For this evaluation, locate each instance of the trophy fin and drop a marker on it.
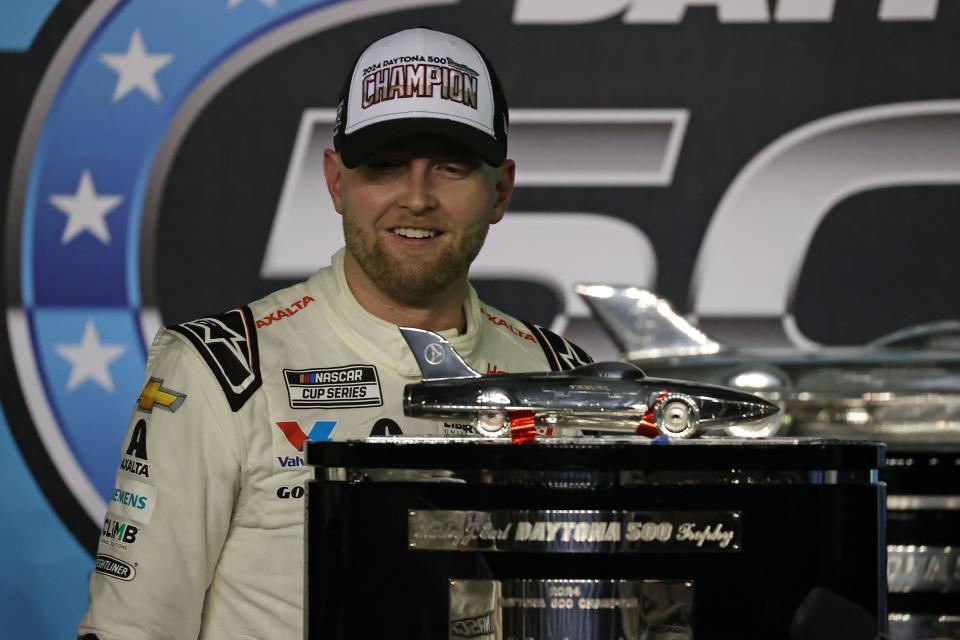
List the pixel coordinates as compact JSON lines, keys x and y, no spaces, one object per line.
{"x":435,"y":356}
{"x":644,"y":325}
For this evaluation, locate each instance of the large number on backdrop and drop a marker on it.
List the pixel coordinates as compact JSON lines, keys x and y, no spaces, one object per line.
{"x":78,"y":320}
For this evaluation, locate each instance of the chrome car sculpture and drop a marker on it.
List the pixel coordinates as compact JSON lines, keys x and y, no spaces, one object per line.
{"x":605,"y":397}
{"x":903,"y":388}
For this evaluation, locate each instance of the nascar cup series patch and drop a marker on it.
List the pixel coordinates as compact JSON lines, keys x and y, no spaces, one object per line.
{"x":354,"y":385}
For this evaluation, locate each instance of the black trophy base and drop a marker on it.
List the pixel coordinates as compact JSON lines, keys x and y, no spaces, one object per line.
{"x":493,"y":559}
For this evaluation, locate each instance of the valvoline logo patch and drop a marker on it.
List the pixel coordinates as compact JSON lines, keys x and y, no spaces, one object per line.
{"x":297,"y":437}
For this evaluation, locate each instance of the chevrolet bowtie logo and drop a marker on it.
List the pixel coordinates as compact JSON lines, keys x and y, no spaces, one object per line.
{"x":155,"y":395}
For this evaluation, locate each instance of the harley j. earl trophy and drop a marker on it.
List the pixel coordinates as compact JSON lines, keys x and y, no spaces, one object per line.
{"x":586,"y":508}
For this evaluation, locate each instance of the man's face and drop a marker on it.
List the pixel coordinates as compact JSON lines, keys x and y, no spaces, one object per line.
{"x":416,"y":213}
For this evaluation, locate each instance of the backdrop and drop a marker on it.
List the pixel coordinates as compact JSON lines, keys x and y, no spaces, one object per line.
{"x":785,"y":171}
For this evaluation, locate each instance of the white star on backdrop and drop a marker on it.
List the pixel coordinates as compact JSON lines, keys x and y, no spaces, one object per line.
{"x":90,"y":359}
{"x":136,"y":69}
{"x":85,"y":210}
{"x":267,"y":3}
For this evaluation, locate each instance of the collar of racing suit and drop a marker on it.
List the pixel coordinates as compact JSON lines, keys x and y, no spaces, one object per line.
{"x":375,"y":339}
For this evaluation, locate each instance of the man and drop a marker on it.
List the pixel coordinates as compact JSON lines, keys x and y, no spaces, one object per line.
{"x":204,"y":535}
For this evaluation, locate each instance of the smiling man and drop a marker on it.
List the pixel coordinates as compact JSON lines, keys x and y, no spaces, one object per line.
{"x":204,"y":537}
{"x":415,"y":215}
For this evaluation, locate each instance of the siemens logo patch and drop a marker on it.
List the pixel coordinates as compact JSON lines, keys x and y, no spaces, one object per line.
{"x":134,"y":500}
{"x":130,"y":499}
{"x":110,"y":566}
{"x":349,"y":386}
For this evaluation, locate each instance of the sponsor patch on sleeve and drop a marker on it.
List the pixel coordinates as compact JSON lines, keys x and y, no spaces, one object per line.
{"x":228,"y":344}
{"x":133,"y":500}
{"x":118,"y":534}
{"x":356,"y":385}
{"x":115,"y":568}
{"x":154,"y":394}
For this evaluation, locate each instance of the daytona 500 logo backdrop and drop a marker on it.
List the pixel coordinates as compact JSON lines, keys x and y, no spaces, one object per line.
{"x":785,"y":165}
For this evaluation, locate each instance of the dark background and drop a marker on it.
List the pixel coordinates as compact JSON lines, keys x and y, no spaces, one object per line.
{"x":745,"y":86}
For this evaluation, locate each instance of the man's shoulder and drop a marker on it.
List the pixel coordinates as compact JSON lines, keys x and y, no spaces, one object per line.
{"x":227,"y":342}
{"x":277,"y":307}
{"x":560,"y":353}
{"x":230,"y":342}
{"x":507,"y":327}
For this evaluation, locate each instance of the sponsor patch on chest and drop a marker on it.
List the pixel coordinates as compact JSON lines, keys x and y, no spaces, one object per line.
{"x":355,"y":385}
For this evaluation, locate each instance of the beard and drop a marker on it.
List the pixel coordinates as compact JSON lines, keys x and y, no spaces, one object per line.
{"x":414,"y":282}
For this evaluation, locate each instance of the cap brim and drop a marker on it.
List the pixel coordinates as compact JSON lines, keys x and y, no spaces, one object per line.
{"x":357,"y":146}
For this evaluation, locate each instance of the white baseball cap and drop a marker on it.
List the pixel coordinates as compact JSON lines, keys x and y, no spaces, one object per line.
{"x":421,"y":81}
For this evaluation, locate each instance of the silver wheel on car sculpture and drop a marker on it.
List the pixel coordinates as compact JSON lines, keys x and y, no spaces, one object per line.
{"x":492,"y":424}
{"x":494,"y":421}
{"x":677,"y":416}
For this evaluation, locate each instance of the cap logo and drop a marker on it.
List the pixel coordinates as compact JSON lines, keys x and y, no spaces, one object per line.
{"x":461,"y":67}
{"x":431,"y":75}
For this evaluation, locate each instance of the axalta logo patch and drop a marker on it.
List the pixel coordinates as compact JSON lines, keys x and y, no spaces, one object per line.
{"x":115,"y":568}
{"x":280,"y":314}
{"x":500,"y":322}
{"x":134,"y":460}
{"x":135,"y":467}
{"x":350,"y":386}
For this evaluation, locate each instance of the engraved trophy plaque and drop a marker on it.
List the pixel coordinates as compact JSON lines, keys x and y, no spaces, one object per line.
{"x":514,"y":609}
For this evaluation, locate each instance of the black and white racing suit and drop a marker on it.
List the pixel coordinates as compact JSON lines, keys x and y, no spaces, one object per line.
{"x":204,"y":533}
